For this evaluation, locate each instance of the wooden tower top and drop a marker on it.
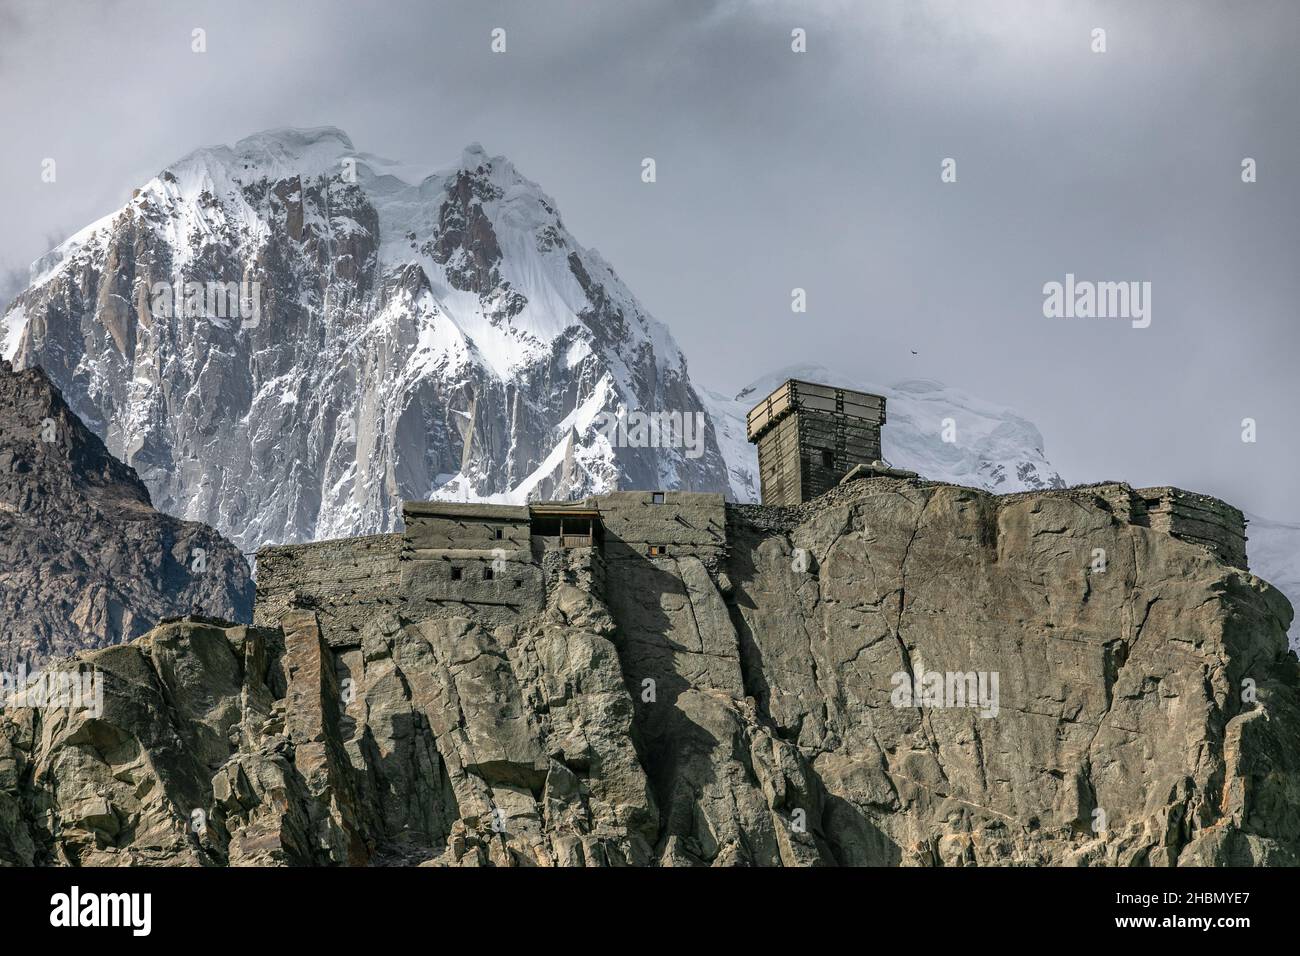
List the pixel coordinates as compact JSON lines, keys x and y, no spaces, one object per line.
{"x":809,"y":436}
{"x":794,"y":395}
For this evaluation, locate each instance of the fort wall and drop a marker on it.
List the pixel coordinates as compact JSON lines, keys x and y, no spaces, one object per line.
{"x":1200,"y":519}
{"x":677,"y":523}
{"x":1195,"y":518}
{"x":491,"y":563}
{"x":346,"y":581}
{"x":438,"y":526}
{"x":471,"y":559}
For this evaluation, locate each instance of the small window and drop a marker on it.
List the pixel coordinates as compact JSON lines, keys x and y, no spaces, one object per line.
{"x":487,"y":572}
{"x":828,"y":458}
{"x":657,"y":550}
{"x":455,"y":574}
{"x":497,"y":533}
{"x":656,"y":497}
{"x":519,"y":582}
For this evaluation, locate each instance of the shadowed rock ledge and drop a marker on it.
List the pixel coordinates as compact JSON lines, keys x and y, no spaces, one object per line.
{"x":743,"y":709}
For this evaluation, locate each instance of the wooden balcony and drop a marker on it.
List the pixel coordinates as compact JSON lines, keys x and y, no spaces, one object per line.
{"x":575,"y":541}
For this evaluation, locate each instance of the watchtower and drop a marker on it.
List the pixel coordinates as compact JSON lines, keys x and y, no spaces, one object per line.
{"x":809,"y":436}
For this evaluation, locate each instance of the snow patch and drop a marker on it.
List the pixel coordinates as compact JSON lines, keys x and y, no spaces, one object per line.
{"x":12,"y":326}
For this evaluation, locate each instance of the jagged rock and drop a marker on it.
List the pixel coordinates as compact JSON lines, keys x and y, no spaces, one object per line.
{"x":1145,"y":714}
{"x":444,"y":333}
{"x":86,"y":559}
{"x":447,"y":334}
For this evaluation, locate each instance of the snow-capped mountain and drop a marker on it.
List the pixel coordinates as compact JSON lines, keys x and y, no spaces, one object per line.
{"x":385,"y":332}
{"x":991,"y":447}
{"x":286,"y":338}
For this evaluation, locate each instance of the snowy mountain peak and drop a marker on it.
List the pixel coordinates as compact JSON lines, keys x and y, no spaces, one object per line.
{"x":273,"y":154}
{"x":475,"y":155}
{"x":422,"y":333}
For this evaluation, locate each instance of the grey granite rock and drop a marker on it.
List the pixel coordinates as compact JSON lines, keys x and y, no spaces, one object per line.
{"x":1131,"y":701}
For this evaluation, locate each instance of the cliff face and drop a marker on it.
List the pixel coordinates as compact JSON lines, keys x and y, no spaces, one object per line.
{"x":85,"y":560}
{"x":899,"y":673}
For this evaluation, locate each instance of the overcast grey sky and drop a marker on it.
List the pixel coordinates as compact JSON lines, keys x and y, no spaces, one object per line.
{"x":776,"y":170}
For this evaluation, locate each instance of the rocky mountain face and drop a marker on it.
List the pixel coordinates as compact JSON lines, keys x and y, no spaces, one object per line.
{"x":900,"y":673}
{"x":288,"y":337}
{"x":85,"y":559}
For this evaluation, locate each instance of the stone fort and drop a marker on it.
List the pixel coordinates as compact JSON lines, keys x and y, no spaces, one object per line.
{"x":494,"y":563}
{"x":498,"y":563}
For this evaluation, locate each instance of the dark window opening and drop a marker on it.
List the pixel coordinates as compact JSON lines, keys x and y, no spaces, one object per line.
{"x":656,"y":497}
{"x":546,"y":526}
{"x":828,"y":458}
{"x":455,"y":574}
{"x":657,"y":550}
{"x":569,"y":531}
{"x":498,"y":533}
{"x":487,"y":572}
{"x":519,"y":582}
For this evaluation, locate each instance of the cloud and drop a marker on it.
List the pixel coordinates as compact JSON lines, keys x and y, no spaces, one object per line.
{"x":776,"y":170}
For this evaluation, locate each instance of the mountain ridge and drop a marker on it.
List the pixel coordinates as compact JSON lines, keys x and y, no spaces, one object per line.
{"x":87,"y":560}
{"x":456,"y":337}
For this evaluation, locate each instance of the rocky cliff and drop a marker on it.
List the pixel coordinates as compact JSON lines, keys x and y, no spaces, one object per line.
{"x":85,"y":560}
{"x":900,"y":673}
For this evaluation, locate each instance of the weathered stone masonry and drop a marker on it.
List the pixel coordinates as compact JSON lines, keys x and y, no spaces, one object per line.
{"x":492,"y":563}
{"x":652,"y":676}
{"x":496,"y":563}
